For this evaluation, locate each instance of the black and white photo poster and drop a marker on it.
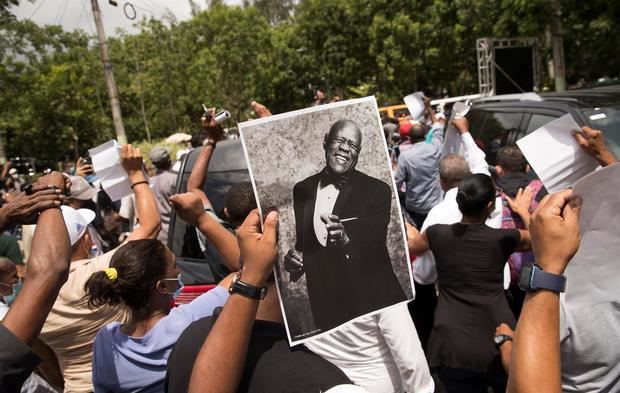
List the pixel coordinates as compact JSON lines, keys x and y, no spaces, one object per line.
{"x":342,"y":250}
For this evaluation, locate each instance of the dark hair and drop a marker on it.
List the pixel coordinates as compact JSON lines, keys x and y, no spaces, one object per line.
{"x":511,"y":159}
{"x":418,"y":132}
{"x":240,"y":202}
{"x":139,"y":265}
{"x":475,"y":192}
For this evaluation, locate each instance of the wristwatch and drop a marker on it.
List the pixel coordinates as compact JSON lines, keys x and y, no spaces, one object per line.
{"x":533,"y":278}
{"x":245,"y":289}
{"x":500,"y":339}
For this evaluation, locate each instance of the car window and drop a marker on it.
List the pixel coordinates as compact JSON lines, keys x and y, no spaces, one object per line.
{"x":607,"y":119}
{"x":537,"y":120}
{"x":496,"y":131}
{"x":475,"y":119}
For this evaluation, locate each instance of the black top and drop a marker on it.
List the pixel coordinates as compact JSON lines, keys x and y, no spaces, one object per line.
{"x":17,"y":361}
{"x":271,"y":365}
{"x":470,"y":264}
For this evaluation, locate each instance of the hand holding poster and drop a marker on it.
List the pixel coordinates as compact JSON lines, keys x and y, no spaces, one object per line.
{"x":342,"y":248}
{"x":555,"y":156}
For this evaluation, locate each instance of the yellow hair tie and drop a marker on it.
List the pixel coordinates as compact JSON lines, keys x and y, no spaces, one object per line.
{"x":111,"y":273}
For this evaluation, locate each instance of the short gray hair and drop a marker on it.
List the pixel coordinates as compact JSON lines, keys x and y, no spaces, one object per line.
{"x":452,"y":169}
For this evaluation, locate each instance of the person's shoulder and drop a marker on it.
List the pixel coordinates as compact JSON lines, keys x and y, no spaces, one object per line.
{"x":107,"y":333}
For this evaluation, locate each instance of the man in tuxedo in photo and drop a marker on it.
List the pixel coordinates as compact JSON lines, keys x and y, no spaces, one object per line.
{"x":341,"y":219}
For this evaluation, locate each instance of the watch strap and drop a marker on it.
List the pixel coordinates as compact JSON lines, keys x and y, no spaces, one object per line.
{"x":501,"y":339}
{"x":247,"y":290}
{"x":546,"y":280}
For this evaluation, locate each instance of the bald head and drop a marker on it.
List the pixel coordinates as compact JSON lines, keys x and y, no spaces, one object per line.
{"x":452,"y":169}
{"x":345,"y":124}
{"x":342,"y":146}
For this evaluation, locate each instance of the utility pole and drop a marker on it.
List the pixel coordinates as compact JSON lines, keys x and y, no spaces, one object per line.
{"x":559,"y":69}
{"x":109,"y":77}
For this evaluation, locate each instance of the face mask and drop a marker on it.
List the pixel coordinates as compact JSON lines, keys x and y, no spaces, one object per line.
{"x":179,"y":289}
{"x":180,"y":286}
{"x":16,"y":288}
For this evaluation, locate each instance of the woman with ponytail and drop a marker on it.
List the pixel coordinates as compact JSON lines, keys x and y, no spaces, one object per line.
{"x":470,"y":258}
{"x":143,"y":276}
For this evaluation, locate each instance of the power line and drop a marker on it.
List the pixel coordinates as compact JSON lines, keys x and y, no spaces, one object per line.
{"x":88,"y":20}
{"x":36,"y":9}
{"x":64,"y":10}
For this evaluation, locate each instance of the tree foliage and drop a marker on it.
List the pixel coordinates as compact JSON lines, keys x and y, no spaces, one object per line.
{"x":54,"y":100}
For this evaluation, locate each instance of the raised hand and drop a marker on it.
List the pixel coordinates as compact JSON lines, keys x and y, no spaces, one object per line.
{"x":131,"y":160}
{"x":22,"y":208}
{"x":521,"y":203}
{"x":593,"y":142}
{"x":260,"y":109}
{"x":214,"y":131}
{"x":258,"y":248}
{"x":555,"y":231}
{"x":188,"y":206}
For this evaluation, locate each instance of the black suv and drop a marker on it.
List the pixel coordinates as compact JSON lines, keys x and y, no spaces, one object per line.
{"x":501,"y":120}
{"x":227,"y":167}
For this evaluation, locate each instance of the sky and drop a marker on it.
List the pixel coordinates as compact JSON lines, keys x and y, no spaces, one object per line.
{"x":74,"y":14}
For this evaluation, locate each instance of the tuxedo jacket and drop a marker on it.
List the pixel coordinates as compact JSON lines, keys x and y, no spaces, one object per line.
{"x":344,"y":282}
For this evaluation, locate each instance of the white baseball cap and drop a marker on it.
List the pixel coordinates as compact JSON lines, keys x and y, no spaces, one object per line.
{"x":77,"y":222}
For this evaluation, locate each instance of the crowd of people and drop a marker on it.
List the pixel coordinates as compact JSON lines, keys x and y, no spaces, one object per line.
{"x":87,"y":295}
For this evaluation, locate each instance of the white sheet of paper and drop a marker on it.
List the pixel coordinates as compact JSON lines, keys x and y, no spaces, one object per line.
{"x":105,"y":155}
{"x":555,"y":156}
{"x":106,"y":163}
{"x":593,"y":271}
{"x":415,"y":104}
{"x":590,"y":308}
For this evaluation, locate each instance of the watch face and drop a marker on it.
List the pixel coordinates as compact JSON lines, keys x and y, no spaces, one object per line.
{"x":525,"y":279}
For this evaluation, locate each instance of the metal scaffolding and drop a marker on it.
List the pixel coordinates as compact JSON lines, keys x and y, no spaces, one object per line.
{"x":485,"y":50}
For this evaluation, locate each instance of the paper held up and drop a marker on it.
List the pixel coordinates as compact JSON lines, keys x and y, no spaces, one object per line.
{"x":593,"y":271}
{"x":107,"y":166}
{"x":415,"y":104}
{"x":555,"y":156}
{"x":452,"y":140}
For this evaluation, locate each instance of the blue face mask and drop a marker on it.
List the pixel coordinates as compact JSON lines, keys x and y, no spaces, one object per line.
{"x":16,"y":288}
{"x":179,"y":289}
{"x":180,"y":286}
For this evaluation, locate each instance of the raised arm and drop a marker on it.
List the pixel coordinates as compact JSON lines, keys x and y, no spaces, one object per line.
{"x":189,"y":207}
{"x":48,"y":269}
{"x":220,"y":362}
{"x":197,"y":178}
{"x":593,"y":142}
{"x":535,"y":362}
{"x":521,"y":205}
{"x":475,"y":157}
{"x":146,"y":207}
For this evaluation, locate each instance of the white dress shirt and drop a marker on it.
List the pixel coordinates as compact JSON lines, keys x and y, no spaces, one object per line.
{"x":447,"y":212}
{"x":325,"y":201}
{"x":381,"y":352}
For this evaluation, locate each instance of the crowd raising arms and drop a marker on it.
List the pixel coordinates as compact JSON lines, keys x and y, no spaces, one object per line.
{"x":552,"y":232}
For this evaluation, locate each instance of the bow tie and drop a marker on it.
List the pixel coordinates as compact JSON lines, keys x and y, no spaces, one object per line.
{"x":337,"y":180}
